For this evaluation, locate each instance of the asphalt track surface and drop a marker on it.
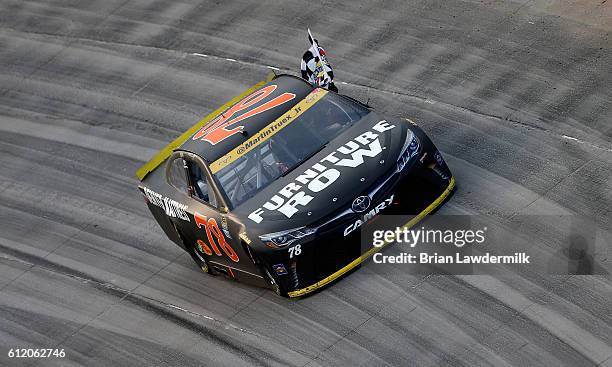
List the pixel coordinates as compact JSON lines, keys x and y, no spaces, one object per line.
{"x":516,"y":94}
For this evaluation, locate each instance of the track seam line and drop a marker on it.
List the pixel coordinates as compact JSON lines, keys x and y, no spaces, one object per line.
{"x":261,"y":294}
{"x":520,"y":7}
{"x":193,"y":313}
{"x":128,"y":292}
{"x":154,"y":77}
{"x":132,"y":294}
{"x":68,"y":238}
{"x":604,"y":361}
{"x":18,"y":276}
{"x":109,"y":307}
{"x":514,"y":314}
{"x":550,"y":189}
{"x":353,"y":330}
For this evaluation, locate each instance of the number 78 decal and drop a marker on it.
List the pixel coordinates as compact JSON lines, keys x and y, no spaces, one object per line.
{"x":295,"y":250}
{"x":213,"y":230}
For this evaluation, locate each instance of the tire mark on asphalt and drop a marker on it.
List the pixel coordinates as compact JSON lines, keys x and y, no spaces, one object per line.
{"x":146,"y":303}
{"x":351,"y":331}
{"x":149,"y":304}
{"x":417,"y":97}
{"x":11,"y":254}
{"x":69,"y":136}
{"x":522,"y":312}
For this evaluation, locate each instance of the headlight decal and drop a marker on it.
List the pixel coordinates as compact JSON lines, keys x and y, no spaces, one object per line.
{"x":285,"y":238}
{"x":411,"y":148}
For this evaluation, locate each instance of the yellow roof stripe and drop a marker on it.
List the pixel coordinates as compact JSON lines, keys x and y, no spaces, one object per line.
{"x":269,"y":131}
{"x":163,"y":154}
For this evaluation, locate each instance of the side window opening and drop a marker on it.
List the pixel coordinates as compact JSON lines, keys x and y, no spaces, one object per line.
{"x":201,"y":188}
{"x":177,"y":175}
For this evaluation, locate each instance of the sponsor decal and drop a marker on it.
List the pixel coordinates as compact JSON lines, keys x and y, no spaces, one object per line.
{"x":410,"y":121}
{"x":203,"y":247}
{"x":438,"y":168}
{"x":422,"y":159}
{"x":222,"y":126}
{"x":172,"y":208}
{"x":243,"y":236}
{"x":439,"y":158}
{"x":269,"y":131}
{"x":280,"y":269}
{"x":323,"y":173}
{"x":224,"y":226}
{"x":369,"y":215}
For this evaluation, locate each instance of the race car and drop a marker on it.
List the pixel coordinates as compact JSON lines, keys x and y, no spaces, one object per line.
{"x":275,"y":190}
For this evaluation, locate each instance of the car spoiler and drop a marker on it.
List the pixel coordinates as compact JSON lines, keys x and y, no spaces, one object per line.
{"x":163,"y":154}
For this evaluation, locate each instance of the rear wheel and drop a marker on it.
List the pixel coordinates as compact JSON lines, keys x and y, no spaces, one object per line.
{"x":195,"y":254}
{"x":201,"y":261}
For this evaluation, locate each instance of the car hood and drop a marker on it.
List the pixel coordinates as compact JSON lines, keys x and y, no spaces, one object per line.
{"x":330,"y":180}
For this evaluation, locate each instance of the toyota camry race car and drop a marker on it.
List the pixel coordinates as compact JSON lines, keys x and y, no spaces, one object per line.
{"x":276,"y":189}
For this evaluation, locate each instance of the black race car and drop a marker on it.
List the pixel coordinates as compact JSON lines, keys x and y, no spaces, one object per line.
{"x":274,"y":189}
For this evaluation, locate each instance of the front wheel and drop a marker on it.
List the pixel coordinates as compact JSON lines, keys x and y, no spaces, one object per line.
{"x":277,"y":288}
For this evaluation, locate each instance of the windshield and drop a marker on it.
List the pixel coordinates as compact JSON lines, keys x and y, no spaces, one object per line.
{"x":286,"y":150}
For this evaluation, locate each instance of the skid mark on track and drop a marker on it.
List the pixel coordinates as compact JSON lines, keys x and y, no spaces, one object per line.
{"x":69,"y":136}
{"x":421,"y":99}
{"x":537,"y":312}
{"x":416,"y":97}
{"x":111,"y":288}
{"x":353,"y":330}
{"x":178,"y":315}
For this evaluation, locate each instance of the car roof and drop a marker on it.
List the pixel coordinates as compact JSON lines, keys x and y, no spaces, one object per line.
{"x":254,"y":112}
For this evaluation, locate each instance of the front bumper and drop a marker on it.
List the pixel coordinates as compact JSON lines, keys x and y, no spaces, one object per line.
{"x":417,"y":192}
{"x":352,"y":264}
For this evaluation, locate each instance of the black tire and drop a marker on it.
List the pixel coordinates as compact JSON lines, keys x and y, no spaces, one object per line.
{"x":195,"y":255}
{"x":201,"y":261}
{"x":276,"y":287}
